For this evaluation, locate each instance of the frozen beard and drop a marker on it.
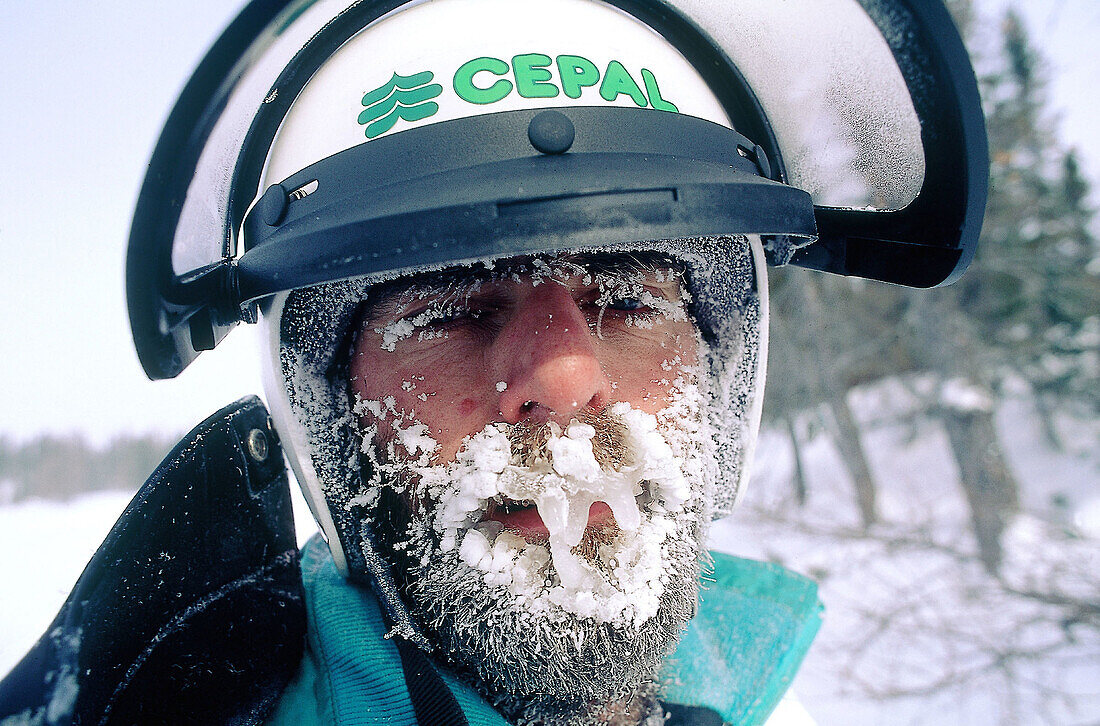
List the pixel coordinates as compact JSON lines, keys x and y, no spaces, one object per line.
{"x":559,"y":616}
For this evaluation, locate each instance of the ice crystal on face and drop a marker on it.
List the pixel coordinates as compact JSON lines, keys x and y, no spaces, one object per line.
{"x":395,"y":331}
{"x":420,"y":307}
{"x":618,"y":576}
{"x":585,"y":608}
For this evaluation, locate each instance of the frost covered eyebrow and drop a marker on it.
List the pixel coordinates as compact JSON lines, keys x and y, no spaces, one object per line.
{"x":626,"y":263}
{"x":387,"y":300}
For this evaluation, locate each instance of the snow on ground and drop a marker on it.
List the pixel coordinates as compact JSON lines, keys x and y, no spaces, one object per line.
{"x":909,"y":609}
{"x":45,"y":546}
{"x":907,"y":605}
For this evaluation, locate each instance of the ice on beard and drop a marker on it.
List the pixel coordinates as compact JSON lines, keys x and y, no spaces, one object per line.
{"x":417,"y":441}
{"x":659,"y":464}
{"x":622,"y":582}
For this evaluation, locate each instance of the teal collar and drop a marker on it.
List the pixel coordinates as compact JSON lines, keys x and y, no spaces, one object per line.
{"x":755,"y":623}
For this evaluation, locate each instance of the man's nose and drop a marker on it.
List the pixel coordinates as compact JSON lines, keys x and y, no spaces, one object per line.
{"x":547,"y":357}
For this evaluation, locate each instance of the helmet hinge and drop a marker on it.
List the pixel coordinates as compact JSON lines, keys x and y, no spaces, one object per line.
{"x":758,"y":156}
{"x":213,"y":293}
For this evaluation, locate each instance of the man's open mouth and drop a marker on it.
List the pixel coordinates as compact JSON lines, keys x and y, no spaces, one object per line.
{"x":523,"y":518}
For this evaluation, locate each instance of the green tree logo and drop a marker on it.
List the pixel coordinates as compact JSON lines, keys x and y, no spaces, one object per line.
{"x":401,"y":97}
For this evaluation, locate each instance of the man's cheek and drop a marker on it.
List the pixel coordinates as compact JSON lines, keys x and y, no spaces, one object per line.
{"x":646,"y":389}
{"x":685,"y":346}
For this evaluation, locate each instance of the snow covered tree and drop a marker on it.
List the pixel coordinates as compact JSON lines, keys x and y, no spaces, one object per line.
{"x":1035,"y":287}
{"x":952,"y":597}
{"x":828,"y":335}
{"x":1025,"y":311}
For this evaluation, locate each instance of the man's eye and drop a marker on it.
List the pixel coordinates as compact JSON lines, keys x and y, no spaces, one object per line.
{"x":625,"y":303}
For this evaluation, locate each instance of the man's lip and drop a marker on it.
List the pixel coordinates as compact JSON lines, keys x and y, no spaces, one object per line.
{"x":528,"y":524}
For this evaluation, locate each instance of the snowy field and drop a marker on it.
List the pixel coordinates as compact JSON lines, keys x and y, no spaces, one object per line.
{"x":915,"y":631}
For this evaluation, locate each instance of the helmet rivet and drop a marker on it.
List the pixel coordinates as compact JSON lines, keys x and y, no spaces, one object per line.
{"x":551,"y":132}
{"x":272,"y":205}
{"x":257,"y":445}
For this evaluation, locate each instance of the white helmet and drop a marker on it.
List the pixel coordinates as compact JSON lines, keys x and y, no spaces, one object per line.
{"x":335,"y":144}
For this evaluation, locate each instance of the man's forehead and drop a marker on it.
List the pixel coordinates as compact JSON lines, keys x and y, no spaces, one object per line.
{"x":389,"y":297}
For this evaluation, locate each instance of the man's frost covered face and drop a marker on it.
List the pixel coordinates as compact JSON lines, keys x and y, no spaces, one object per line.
{"x":538,"y":424}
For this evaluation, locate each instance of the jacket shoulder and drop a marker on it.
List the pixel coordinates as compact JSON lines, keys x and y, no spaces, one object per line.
{"x":192,"y":609}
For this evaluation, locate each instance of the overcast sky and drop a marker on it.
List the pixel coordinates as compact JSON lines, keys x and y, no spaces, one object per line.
{"x":85,"y":89}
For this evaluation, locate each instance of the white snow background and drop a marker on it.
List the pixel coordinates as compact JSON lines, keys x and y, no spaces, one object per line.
{"x":934,"y":602}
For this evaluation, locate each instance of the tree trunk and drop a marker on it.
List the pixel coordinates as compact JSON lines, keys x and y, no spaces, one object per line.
{"x":799,"y":472}
{"x":1046,"y":423}
{"x":855,"y":457}
{"x":991,"y":490}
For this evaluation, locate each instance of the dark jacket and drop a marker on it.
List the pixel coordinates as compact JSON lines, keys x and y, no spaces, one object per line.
{"x":192,"y":609}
